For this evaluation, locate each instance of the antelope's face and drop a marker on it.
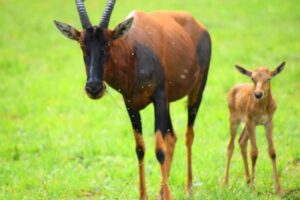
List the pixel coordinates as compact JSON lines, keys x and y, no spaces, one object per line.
{"x":261,"y":78}
{"x":95,"y":42}
{"x":95,"y":48}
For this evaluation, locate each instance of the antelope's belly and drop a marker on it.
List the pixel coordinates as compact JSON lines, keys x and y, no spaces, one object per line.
{"x":181,"y":86}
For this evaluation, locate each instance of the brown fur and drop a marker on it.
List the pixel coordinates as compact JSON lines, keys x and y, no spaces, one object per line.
{"x":166,"y":31}
{"x":181,"y":45}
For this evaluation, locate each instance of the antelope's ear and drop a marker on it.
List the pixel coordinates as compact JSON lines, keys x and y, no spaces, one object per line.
{"x":67,"y":30}
{"x":122,"y":28}
{"x":243,"y":70}
{"x":278,"y":69}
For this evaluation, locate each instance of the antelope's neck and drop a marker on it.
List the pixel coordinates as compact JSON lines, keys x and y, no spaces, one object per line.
{"x":120,"y":69}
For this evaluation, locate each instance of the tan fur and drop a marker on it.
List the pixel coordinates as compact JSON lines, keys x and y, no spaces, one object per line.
{"x":171,"y":142}
{"x":161,"y":143}
{"x":245,"y":107}
{"x":189,"y":138}
{"x":140,"y":142}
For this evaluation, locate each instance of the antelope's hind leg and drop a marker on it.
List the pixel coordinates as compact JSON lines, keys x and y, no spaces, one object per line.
{"x":171,"y":142}
{"x":140,"y":149}
{"x":194,"y":101}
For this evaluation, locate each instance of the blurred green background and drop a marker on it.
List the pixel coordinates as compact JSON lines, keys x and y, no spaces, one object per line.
{"x":55,"y":143}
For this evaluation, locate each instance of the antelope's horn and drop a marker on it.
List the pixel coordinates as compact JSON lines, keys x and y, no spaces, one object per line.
{"x":107,"y":13}
{"x":84,"y":18}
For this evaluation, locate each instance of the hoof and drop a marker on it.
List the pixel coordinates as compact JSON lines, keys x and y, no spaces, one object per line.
{"x":143,"y":197}
{"x":279,"y":191}
{"x":164,"y":193}
{"x":224,"y":182}
{"x":189,"y":191}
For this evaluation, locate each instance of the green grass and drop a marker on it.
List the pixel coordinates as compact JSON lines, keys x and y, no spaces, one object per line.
{"x":55,"y":143}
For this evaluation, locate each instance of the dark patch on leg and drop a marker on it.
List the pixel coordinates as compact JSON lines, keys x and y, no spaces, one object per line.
{"x":161,"y":112}
{"x":160,"y":155}
{"x":140,"y":153}
{"x":170,"y":125}
{"x":192,"y":113}
{"x":273,"y":156}
{"x":135,"y":119}
{"x":254,"y":158}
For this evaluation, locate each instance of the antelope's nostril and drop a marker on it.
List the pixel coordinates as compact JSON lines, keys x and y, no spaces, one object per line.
{"x":258,"y":95}
{"x":94,"y":89}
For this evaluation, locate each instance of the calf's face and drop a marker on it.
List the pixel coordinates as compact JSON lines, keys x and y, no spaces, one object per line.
{"x":261,"y":78}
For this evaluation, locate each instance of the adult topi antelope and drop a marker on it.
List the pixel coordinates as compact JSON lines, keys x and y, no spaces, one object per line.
{"x":156,"y":57}
{"x":254,"y":105}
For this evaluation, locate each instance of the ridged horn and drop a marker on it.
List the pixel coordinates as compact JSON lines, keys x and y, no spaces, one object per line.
{"x":107,"y":13}
{"x":84,"y":18}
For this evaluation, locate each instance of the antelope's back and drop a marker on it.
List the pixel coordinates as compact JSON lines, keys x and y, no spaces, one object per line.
{"x":174,"y":38}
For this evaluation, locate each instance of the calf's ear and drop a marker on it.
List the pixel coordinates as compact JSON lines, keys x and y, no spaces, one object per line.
{"x":243,"y":70}
{"x":278,"y":69}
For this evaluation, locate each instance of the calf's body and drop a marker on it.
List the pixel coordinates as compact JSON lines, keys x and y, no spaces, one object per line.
{"x":252,"y":104}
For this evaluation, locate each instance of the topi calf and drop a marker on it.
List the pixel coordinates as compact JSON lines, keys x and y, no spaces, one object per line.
{"x":254,"y":105}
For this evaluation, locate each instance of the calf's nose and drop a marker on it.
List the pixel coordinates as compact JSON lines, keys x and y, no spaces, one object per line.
{"x":258,"y":95}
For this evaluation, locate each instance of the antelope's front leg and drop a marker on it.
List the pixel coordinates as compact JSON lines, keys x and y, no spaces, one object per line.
{"x":140,"y":149}
{"x":272,"y":154}
{"x":171,"y":142}
{"x":161,"y":145}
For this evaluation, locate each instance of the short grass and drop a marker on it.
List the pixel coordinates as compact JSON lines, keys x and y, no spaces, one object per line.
{"x":55,"y":143}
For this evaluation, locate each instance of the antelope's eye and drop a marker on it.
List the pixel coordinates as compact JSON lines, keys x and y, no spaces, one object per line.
{"x":102,"y":51}
{"x":106,"y":47}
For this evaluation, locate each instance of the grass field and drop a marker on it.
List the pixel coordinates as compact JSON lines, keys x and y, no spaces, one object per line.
{"x":55,"y":143}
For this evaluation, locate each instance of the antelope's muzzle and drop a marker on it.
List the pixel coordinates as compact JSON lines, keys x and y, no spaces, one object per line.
{"x":95,"y":90}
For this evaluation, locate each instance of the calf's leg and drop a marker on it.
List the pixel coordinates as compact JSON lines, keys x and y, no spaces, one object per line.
{"x":272,"y":154}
